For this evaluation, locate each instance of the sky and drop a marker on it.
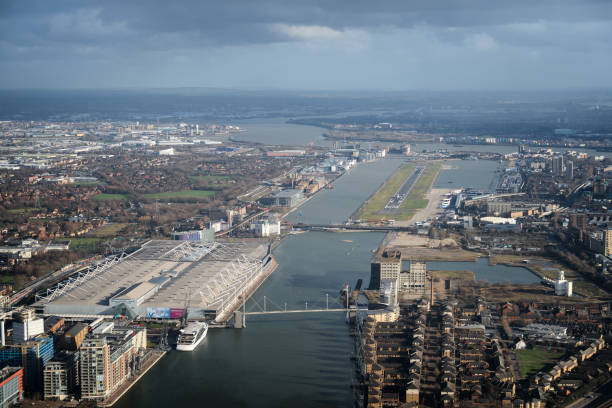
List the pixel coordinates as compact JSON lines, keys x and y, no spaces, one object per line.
{"x":306,"y":44}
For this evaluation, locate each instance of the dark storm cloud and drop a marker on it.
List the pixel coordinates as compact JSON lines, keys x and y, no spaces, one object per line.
{"x":305,"y":43}
{"x":222,"y":22}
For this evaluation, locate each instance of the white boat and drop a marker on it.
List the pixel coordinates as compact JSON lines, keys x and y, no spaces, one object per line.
{"x":445,"y":203}
{"x":191,"y":336}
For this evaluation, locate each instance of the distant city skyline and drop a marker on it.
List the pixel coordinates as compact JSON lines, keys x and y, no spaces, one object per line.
{"x":306,"y":45}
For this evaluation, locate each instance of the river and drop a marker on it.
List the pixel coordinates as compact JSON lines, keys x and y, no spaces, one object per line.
{"x":300,"y":360}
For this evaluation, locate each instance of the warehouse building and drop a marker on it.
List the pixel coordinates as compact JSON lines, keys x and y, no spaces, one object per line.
{"x":162,"y":279}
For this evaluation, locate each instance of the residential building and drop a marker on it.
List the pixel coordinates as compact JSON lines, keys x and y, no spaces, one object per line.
{"x":607,"y":247}
{"x":557,"y":165}
{"x":32,"y":355}
{"x":11,"y":386}
{"x":563,"y":287}
{"x":26,"y":325}
{"x":107,"y":360}
{"x":60,"y":376}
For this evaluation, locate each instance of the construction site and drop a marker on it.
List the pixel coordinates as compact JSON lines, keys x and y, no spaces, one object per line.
{"x":165,"y":280}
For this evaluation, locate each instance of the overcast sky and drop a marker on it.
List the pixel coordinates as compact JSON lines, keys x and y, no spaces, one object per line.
{"x":306,"y":44}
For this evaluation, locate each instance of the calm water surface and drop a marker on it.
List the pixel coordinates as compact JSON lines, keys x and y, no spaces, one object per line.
{"x":491,"y":273}
{"x":476,"y":174}
{"x":278,"y":132}
{"x":349,"y":192}
{"x":300,"y":360}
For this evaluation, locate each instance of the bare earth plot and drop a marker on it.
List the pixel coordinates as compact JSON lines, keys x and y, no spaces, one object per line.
{"x":418,"y":247}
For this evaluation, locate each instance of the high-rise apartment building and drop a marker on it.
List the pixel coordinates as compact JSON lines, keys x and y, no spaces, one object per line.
{"x":107,"y":360}
{"x":32,"y":355}
{"x":60,"y":376}
{"x":607,"y":242}
{"x":557,"y":165}
{"x":11,"y":386}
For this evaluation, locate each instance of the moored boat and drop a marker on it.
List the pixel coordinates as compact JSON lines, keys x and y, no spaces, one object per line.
{"x":192,"y":335}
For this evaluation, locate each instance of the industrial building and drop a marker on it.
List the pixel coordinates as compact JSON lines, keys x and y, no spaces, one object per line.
{"x":162,"y":279}
{"x":413,"y":280}
{"x":26,"y":325}
{"x":385,"y":265}
{"x":285,"y":198}
{"x":266,"y":227}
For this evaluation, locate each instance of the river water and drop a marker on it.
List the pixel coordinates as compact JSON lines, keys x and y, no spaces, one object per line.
{"x":299,"y":360}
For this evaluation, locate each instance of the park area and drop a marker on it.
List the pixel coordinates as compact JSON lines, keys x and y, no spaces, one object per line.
{"x":532,"y":361}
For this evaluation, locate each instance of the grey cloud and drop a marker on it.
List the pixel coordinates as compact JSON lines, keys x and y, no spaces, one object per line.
{"x":222,"y":22}
{"x":207,"y":42}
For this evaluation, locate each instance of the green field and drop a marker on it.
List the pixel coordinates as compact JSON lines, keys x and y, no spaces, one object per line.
{"x":108,"y":230}
{"x":415,"y":200}
{"x":23,"y":210}
{"x":7,"y":279}
{"x":531,"y":361}
{"x":108,"y":197}
{"x":182,"y":194}
{"x":460,"y":275}
{"x":88,"y":183}
{"x":211,"y":178}
{"x":370,"y":210}
{"x":78,"y":243}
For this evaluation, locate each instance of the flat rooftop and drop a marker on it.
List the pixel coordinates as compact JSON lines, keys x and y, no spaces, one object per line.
{"x":199,"y":273}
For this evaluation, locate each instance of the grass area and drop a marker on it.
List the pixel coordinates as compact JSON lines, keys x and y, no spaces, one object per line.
{"x":4,"y":279}
{"x":377,"y":202}
{"x":88,"y":183}
{"x":531,"y":361}
{"x":211,"y":178}
{"x":23,"y":210}
{"x":108,"y":230}
{"x":182,"y":194}
{"x":77,"y":243}
{"x":542,"y":266}
{"x":108,"y":197}
{"x":460,"y":275}
{"x":414,"y":202}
